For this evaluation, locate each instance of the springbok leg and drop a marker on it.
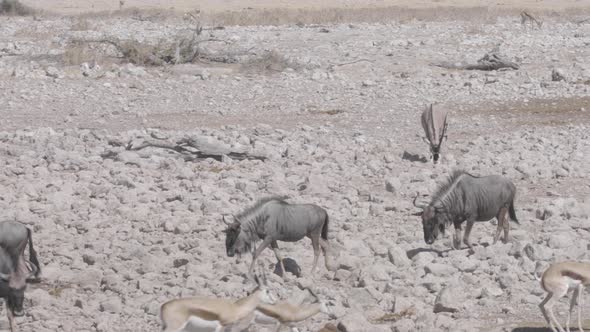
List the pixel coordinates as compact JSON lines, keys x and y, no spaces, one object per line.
{"x":580,"y":306}
{"x":573,"y":301}
{"x":468,"y":228}
{"x":558,"y":293}
{"x":275,"y":247}
{"x":265,"y":243}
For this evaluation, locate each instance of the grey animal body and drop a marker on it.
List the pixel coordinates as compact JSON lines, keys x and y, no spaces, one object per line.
{"x":273,"y":219}
{"x":465,"y":197}
{"x":434,"y":123}
{"x":13,"y":295}
{"x":14,"y":237}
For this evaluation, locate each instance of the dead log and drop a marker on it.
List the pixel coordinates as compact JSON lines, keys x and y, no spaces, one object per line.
{"x":490,"y":61}
{"x":190,"y":148}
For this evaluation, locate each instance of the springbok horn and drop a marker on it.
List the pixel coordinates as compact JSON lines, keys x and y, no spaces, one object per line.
{"x":421,"y":206}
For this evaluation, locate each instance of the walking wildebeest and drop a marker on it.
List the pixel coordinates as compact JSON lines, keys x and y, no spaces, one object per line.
{"x":464,"y":197}
{"x":12,"y":288}
{"x":14,"y":237}
{"x":434,"y":123}
{"x":271,"y":220}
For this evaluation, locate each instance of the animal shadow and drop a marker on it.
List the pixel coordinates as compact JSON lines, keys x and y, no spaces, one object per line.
{"x":413,"y":252}
{"x":414,"y":157}
{"x":290,"y":265}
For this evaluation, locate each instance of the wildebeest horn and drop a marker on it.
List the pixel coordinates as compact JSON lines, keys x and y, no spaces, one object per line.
{"x":4,"y":277}
{"x":225,"y":220}
{"x":421,"y":206}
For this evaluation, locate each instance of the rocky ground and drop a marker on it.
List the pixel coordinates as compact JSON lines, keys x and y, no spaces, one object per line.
{"x":335,"y":110}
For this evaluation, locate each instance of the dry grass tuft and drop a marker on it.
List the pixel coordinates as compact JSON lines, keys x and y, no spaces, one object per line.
{"x":269,"y":62}
{"x":394,"y":317}
{"x":15,"y":8}
{"x":81,"y":25}
{"x":77,"y":53}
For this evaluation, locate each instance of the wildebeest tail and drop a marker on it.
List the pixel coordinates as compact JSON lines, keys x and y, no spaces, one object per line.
{"x":512,"y":213}
{"x":325,"y":228}
{"x":33,"y":254}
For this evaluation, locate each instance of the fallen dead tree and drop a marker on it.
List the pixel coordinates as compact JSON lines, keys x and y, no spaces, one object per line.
{"x":189,"y":148}
{"x":490,"y":61}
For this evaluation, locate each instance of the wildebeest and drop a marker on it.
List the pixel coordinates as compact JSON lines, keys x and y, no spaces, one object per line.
{"x":434,"y":122}
{"x":464,"y":197}
{"x":272,"y":219}
{"x":11,"y":289}
{"x":14,"y":237}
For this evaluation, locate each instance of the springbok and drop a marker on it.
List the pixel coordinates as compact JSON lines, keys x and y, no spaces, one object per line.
{"x":557,"y":281}
{"x":287,"y":314}
{"x":211,"y":314}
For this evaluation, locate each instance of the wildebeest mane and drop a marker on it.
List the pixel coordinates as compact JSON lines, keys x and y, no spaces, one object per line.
{"x":444,"y":187}
{"x":251,"y":211}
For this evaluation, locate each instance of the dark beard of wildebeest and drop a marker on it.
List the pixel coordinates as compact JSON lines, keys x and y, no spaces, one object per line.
{"x":464,"y":197}
{"x":273,"y":219}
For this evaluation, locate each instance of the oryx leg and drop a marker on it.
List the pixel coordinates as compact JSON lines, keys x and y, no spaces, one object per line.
{"x":265,"y":243}
{"x":275,"y":247}
{"x":468,"y":228}
{"x":457,"y":236}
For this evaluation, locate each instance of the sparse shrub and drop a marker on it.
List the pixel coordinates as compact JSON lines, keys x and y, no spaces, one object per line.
{"x":269,"y":62}
{"x":14,"y":7}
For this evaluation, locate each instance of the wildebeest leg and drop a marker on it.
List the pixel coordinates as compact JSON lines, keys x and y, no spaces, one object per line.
{"x":265,"y":243}
{"x":457,"y":236}
{"x":467,"y":233}
{"x":275,"y":247}
{"x":506,"y":225}
{"x":315,"y":242}
{"x":501,"y":216}
{"x":327,"y":252}
{"x":10,"y":317}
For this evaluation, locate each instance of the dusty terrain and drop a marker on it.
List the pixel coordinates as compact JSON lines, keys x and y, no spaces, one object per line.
{"x":335,"y":109}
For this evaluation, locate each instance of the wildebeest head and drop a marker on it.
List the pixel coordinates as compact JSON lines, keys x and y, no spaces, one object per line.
{"x":432,"y":221}
{"x":15,"y":295}
{"x":234,"y":238}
